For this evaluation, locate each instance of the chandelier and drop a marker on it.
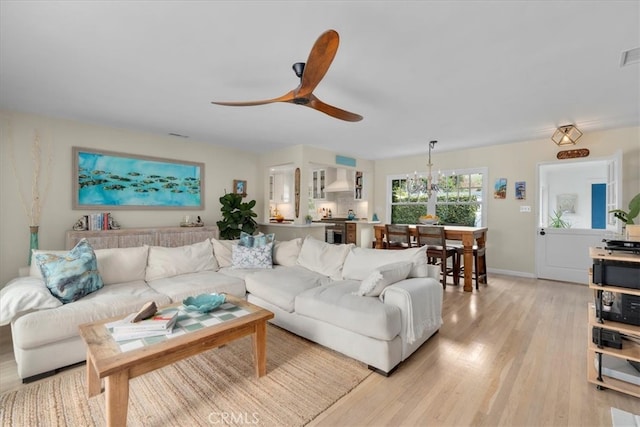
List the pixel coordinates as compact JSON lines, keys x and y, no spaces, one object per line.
{"x":417,"y":186}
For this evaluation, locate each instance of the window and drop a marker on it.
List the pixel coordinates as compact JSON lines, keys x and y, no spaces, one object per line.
{"x":460,"y":199}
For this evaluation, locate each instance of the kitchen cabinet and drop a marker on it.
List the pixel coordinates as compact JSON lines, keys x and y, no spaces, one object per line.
{"x":271,"y":188}
{"x":358,"y":186}
{"x":351,"y":233}
{"x":282,"y":187}
{"x":318,"y":182}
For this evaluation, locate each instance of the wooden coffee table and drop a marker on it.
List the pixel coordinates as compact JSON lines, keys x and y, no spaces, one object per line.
{"x":106,"y":358}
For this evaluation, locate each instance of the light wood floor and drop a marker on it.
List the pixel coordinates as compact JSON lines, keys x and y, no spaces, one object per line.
{"x":513,"y":354}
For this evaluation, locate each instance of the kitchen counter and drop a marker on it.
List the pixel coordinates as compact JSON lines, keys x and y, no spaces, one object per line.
{"x":292,"y":224}
{"x":290,"y":230}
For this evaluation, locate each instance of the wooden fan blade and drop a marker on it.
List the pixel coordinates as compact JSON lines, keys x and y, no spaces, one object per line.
{"x":332,"y":111}
{"x":288,"y":97}
{"x":320,"y":58}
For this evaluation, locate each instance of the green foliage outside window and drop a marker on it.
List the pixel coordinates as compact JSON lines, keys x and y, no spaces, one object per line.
{"x":459,"y":201}
{"x":458,"y":214}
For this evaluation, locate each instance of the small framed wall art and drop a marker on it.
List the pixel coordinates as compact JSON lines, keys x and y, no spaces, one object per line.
{"x":521,"y":190}
{"x":240,"y":187}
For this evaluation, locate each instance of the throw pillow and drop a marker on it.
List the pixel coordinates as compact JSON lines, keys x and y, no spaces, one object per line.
{"x":222,"y":251}
{"x":382,"y":277}
{"x":251,"y":241}
{"x":121,"y":265}
{"x":72,"y":276}
{"x":258,"y":257}
{"x":323,"y":258}
{"x":286,"y":253}
{"x":34,"y":268}
{"x":168,"y":262}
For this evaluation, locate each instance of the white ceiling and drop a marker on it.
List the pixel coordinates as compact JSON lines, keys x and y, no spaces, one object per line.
{"x":466,"y":73}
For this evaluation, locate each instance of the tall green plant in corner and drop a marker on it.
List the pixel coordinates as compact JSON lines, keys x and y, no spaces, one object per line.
{"x":634,"y":210}
{"x":236,"y":217}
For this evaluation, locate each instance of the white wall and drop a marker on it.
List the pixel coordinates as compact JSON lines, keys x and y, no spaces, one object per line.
{"x":511,"y":236}
{"x":222,"y":166}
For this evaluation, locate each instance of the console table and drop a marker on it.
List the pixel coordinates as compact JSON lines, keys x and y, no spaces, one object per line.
{"x":131,"y":237}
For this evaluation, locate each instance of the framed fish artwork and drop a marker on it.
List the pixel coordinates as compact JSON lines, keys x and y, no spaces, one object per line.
{"x":107,"y":179}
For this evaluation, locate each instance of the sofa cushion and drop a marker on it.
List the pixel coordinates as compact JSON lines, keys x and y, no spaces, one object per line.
{"x":46,"y":326}
{"x":286,"y":252}
{"x":361,"y":261}
{"x":202,"y":282}
{"x":73,"y":275}
{"x":336,"y":304}
{"x":382,"y":277}
{"x":280,"y":286}
{"x":119,"y":265}
{"x":24,"y":294}
{"x":252,"y":257}
{"x":169,"y":262}
{"x":323,"y":258}
{"x":222,"y":251}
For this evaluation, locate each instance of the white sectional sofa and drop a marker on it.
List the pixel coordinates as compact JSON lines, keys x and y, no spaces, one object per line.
{"x":314,"y":289}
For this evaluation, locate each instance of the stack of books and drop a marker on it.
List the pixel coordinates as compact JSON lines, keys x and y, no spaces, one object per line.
{"x":161,"y":323}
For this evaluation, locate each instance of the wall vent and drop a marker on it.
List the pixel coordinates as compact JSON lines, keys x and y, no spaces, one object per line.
{"x":631,"y":56}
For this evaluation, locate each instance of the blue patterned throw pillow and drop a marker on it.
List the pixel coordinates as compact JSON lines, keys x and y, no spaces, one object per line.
{"x":71,"y":276}
{"x":249,"y":241}
{"x":256,"y":257}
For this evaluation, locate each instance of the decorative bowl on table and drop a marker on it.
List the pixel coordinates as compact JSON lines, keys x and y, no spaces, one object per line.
{"x":428,"y":220}
{"x":204,"y":303}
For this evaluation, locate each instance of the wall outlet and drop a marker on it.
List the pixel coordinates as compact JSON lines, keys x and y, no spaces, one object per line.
{"x":525,"y":208}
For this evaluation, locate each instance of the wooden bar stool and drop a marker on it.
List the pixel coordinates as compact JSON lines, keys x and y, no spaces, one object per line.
{"x":433,"y":236}
{"x":479,"y":263}
{"x":397,"y":236}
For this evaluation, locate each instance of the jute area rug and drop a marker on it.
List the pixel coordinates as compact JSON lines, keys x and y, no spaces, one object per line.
{"x":217,"y":387}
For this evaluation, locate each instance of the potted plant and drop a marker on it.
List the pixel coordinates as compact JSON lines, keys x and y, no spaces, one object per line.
{"x":556,"y":221}
{"x":237,"y":216}
{"x":308,"y":218}
{"x":627,"y":216}
{"x":629,"y":229}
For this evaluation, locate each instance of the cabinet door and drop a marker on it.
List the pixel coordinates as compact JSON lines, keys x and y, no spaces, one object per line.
{"x":282,"y":187}
{"x":271,"y":188}
{"x":351,"y":233}
{"x":358,"y":186}
{"x":318,"y":183}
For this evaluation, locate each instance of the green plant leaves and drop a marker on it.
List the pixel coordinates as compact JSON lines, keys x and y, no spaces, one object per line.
{"x":237,"y":216}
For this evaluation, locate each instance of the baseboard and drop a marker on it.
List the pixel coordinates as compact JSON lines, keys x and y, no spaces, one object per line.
{"x":510,"y":273}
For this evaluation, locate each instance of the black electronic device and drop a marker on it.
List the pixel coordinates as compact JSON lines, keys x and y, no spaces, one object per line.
{"x":623,"y":245}
{"x":616,"y":273}
{"x":624,"y":308}
{"x":606,"y":338}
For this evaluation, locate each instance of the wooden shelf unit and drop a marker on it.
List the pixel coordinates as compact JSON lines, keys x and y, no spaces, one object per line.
{"x":630,"y":349}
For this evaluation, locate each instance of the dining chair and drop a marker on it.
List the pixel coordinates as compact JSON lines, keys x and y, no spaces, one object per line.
{"x":479,"y":263}
{"x":397,"y":236}
{"x":433,"y":236}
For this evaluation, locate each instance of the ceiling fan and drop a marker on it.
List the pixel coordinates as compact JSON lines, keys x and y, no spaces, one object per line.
{"x":310,"y":74}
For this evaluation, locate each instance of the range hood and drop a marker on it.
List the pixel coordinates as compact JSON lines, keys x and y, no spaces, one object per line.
{"x":342,"y":182}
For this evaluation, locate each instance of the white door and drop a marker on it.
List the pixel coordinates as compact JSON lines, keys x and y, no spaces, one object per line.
{"x":565,"y":190}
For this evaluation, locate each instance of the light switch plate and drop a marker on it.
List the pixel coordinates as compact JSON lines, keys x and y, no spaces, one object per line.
{"x":525,"y":208}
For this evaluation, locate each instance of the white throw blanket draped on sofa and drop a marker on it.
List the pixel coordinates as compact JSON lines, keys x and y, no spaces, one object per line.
{"x":419,"y":313}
